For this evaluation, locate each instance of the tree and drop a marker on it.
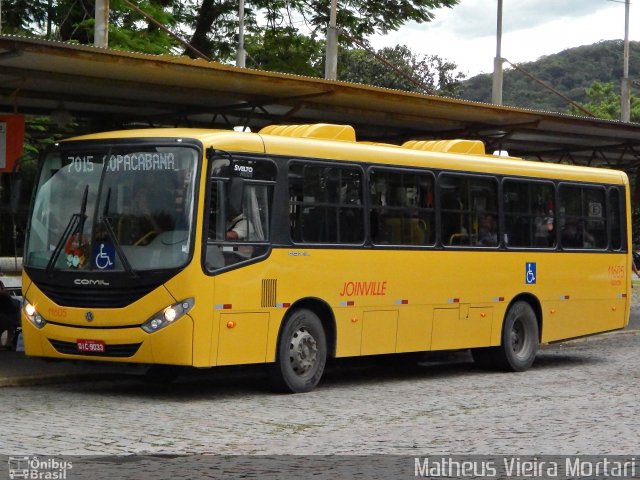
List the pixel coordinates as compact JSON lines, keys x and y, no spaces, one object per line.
{"x":431,"y":71}
{"x":604,"y":102}
{"x":285,"y":50}
{"x":216,"y":23}
{"x":24,"y":17}
{"x":211,"y":26}
{"x":571,"y":72}
{"x":74,"y":21}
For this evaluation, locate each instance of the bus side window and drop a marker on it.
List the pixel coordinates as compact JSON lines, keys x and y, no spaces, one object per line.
{"x":454,"y":231}
{"x":617,"y":219}
{"x":583,"y":223}
{"x":469,"y":210}
{"x":325,"y":203}
{"x":529,"y":213}
{"x":402,"y":210}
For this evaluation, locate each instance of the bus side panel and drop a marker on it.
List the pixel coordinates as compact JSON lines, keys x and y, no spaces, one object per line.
{"x":243,"y":338}
{"x":465,"y":327}
{"x":414,"y":328}
{"x":379,"y":332}
{"x":582,"y":294}
{"x":244,"y":325}
{"x":349,"y":333}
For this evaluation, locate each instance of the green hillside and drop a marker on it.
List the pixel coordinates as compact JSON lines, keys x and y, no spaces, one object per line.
{"x":570,"y":72}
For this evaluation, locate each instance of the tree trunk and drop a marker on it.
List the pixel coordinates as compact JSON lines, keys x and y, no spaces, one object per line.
{"x":207,"y":15}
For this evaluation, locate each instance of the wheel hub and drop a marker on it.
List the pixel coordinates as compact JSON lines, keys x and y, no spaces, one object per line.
{"x":303,"y":352}
{"x":517,"y":337}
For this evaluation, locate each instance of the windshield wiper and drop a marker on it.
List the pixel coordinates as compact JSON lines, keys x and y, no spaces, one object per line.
{"x":74,"y":227}
{"x":106,"y":221}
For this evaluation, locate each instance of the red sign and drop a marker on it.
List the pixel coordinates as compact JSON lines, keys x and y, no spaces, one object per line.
{"x":11,"y":141}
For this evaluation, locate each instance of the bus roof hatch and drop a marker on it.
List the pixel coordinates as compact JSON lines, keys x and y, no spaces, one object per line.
{"x":472,"y":147}
{"x":325,"y":131}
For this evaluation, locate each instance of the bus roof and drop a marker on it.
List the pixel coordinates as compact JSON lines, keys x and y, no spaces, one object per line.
{"x":338,"y":142}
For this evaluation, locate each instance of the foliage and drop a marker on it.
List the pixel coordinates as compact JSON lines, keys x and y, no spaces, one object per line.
{"x":23,"y":17}
{"x":426,"y":74}
{"x":130,"y":31}
{"x":74,"y":20}
{"x":216,"y":23}
{"x":571,"y":72}
{"x":285,"y":50}
{"x":603,"y":100}
{"x":211,"y":25}
{"x":39,"y":135}
{"x":275,"y":43}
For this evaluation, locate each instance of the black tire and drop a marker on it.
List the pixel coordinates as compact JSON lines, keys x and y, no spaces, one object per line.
{"x":302,"y":353}
{"x":520,"y":342}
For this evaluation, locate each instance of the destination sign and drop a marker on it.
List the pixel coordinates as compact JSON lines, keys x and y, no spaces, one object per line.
{"x":142,"y":161}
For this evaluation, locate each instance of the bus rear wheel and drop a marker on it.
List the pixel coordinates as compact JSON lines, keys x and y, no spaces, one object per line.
{"x":520,"y":341}
{"x":301,"y":354}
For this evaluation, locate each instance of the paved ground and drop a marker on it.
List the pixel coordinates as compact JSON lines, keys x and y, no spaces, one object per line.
{"x":579,"y":398}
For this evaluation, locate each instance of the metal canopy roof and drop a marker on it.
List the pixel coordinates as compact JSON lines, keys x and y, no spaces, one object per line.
{"x":125,"y":89}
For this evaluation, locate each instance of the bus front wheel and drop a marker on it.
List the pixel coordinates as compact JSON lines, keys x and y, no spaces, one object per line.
{"x":301,"y":354}
{"x":520,"y":341}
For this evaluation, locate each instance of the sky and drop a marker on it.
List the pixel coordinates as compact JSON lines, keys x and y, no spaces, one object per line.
{"x":466,"y":33}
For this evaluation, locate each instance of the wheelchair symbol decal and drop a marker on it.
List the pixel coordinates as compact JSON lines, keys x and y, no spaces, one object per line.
{"x":530,"y":273}
{"x":104,"y":256}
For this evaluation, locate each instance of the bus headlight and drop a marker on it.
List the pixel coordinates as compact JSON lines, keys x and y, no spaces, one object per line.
{"x":33,"y":315}
{"x":168,"y":315}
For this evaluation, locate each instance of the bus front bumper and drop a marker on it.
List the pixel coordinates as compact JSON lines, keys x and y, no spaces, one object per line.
{"x":172,"y":345}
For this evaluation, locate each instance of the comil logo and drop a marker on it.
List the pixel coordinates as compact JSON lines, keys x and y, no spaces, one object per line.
{"x":38,"y":468}
{"x":90,"y":282}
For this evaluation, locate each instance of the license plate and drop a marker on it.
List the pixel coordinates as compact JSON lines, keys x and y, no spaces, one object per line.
{"x":90,"y":346}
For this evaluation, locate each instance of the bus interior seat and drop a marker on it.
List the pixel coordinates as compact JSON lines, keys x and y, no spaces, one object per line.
{"x":462,"y":239}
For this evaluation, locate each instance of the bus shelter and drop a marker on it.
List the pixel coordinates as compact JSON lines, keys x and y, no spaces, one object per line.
{"x":103,"y":89}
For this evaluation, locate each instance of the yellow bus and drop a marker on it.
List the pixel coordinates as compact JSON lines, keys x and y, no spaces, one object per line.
{"x":203,"y":248}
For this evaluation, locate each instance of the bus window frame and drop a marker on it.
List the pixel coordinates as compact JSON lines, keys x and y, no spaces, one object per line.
{"x":206,"y":242}
{"x":622,"y":213}
{"x":530,"y":180}
{"x":497,"y":180}
{"x":363,"y":206}
{"x":370,"y":208}
{"x":600,"y":186}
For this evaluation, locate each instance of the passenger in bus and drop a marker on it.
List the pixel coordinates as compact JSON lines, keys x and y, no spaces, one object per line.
{"x":488,"y":231}
{"x":571,"y":235}
{"x":238,"y":228}
{"x":543,"y":228}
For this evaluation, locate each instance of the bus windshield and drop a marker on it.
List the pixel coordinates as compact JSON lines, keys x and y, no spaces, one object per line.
{"x":113,"y":208}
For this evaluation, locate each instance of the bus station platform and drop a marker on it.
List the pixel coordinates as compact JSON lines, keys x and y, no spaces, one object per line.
{"x":16,"y":369}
